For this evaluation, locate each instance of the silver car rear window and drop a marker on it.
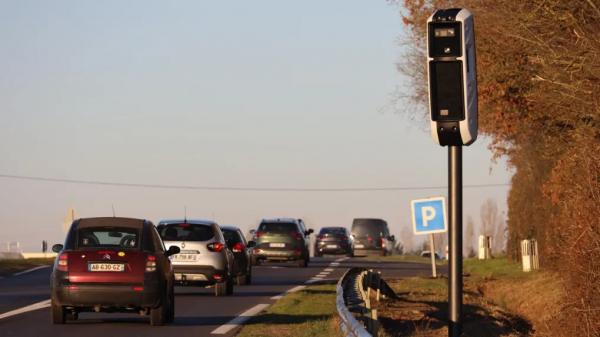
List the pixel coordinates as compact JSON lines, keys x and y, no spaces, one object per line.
{"x":186,"y":232}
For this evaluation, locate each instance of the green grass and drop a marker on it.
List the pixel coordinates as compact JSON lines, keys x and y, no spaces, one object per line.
{"x":11,"y":266}
{"x":403,"y":258}
{"x":310,"y":312}
{"x":497,"y":268}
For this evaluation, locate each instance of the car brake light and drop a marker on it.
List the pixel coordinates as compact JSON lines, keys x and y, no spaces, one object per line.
{"x":63,"y":263}
{"x":217,"y":277}
{"x":298,"y":236}
{"x":258,"y":234}
{"x":238,"y":247}
{"x":370,"y":238}
{"x":138,"y":288}
{"x":150,"y":263}
{"x":319,"y":237}
{"x":382,"y":242}
{"x":215,"y":247}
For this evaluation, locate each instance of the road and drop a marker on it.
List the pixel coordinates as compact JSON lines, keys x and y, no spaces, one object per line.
{"x":198,"y":311}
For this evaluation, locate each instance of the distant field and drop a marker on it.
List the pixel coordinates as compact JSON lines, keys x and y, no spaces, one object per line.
{"x":402,"y":258}
{"x":10,"y":266}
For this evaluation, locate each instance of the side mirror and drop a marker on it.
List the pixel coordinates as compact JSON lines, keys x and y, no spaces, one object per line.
{"x":251,"y":244}
{"x":309,"y":231}
{"x":392,"y":238}
{"x":172,"y":251}
{"x":252,"y":231}
{"x":57,"y":248}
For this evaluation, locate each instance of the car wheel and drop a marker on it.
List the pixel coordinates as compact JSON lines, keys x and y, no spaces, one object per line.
{"x":229,"y":286}
{"x":220,"y":289}
{"x":171,"y":306}
{"x":256,"y":261}
{"x":317,"y":254}
{"x":159,"y":315}
{"x":350,"y":254}
{"x":240,"y":280}
{"x":249,"y":276}
{"x":72,"y":316}
{"x":59,"y":315}
{"x":302,"y":263}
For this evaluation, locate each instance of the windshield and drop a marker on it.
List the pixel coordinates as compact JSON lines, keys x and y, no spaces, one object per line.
{"x":231,"y":237}
{"x":278,"y":227}
{"x":372,"y":228}
{"x":107,"y":237}
{"x":332,"y":231}
{"x":186,"y":232}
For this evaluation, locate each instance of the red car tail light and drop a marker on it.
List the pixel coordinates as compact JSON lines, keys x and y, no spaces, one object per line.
{"x":258,"y":234}
{"x":138,"y":289}
{"x":297,"y":235}
{"x":217,"y":277}
{"x":320,"y":237}
{"x":382,"y":242}
{"x":370,"y":238}
{"x":238,"y":247}
{"x":215,"y":247}
{"x":150,"y":263}
{"x":63,"y":262}
{"x":297,"y":252}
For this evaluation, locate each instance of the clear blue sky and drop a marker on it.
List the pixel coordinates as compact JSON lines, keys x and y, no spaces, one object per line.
{"x":222,"y":93}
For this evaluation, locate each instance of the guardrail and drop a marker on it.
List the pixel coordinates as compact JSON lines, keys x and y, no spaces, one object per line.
{"x":353,"y":301}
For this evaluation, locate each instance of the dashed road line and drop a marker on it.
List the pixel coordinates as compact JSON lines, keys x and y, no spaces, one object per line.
{"x":30,"y":270}
{"x":289,"y":291}
{"x":31,"y":307}
{"x":241,"y":319}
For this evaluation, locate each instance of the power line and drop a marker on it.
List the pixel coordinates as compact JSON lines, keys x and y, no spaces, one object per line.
{"x":237,"y":188}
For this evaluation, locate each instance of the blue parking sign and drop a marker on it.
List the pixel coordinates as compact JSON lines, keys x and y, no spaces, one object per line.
{"x":429,"y":215}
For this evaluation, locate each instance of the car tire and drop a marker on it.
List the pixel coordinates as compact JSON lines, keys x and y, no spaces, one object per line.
{"x":59,"y":315}
{"x":318,"y":254}
{"x":229,"y":286}
{"x":249,"y":276}
{"x":303,"y":263}
{"x":240,"y":280}
{"x":171,"y":316}
{"x":160,"y":314}
{"x":350,"y":254}
{"x":72,"y":316}
{"x":220,"y":289}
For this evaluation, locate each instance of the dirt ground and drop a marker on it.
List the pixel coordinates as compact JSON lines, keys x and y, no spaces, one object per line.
{"x":422,"y":310}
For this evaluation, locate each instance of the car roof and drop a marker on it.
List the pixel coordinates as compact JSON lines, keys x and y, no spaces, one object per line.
{"x":110,"y":222}
{"x":281,"y":220}
{"x":190,"y":221}
{"x":230,"y":227}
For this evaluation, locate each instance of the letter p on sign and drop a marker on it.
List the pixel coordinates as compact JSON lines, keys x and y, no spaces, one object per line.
{"x":427,"y":214}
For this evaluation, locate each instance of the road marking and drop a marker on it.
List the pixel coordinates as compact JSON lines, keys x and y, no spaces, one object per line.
{"x":323,"y":274}
{"x":30,"y":270}
{"x":289,"y":291}
{"x":334,"y":264}
{"x":31,"y":307}
{"x":241,"y":319}
{"x":329,"y":269}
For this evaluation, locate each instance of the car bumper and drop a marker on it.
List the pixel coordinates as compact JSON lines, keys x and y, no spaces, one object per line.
{"x":277,"y":255}
{"x":125,"y":296}
{"x":368,"y":251}
{"x":335,"y":250}
{"x":191,"y":273}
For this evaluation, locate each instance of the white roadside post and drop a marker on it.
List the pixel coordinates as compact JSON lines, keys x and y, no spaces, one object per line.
{"x":429,"y":217}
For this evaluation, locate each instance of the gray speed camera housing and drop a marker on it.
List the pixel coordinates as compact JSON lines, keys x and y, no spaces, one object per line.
{"x":452,"y":77}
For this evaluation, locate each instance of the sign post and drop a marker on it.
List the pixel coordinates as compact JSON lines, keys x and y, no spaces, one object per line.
{"x":452,"y":79}
{"x":429,"y":217}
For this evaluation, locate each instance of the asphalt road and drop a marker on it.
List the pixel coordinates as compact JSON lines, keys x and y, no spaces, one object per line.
{"x":198,"y":312}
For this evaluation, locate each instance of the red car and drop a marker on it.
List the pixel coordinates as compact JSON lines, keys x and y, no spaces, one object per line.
{"x":113,"y":265}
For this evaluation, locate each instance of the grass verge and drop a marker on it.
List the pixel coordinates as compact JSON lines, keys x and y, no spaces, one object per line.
{"x":309,"y":312}
{"x":11,"y":266}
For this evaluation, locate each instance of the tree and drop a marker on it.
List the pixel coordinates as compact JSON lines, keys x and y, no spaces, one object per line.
{"x":469,"y":235}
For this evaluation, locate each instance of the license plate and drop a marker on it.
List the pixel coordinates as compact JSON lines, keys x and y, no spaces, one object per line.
{"x":331,"y":246}
{"x":276,"y":245}
{"x":359,"y":246}
{"x":184,"y":257}
{"x":118,"y":267}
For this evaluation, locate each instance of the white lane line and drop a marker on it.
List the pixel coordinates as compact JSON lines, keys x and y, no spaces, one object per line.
{"x":334,"y":264}
{"x":30,"y":270}
{"x":241,"y":319}
{"x":31,"y":307}
{"x":329,"y":269}
{"x":322,"y":274}
{"x":289,"y":291}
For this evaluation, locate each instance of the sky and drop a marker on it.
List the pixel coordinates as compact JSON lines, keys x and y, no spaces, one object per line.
{"x":262,"y":94}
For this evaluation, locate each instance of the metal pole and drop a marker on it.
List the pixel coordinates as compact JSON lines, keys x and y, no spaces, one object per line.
{"x":455,"y":285}
{"x":432,"y":250}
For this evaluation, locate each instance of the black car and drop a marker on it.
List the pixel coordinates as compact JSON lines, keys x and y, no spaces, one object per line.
{"x":334,"y":240}
{"x":236,"y":242}
{"x":113,"y":264}
{"x":372,"y":236}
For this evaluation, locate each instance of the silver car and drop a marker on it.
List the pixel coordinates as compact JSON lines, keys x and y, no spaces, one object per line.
{"x":204,"y":258}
